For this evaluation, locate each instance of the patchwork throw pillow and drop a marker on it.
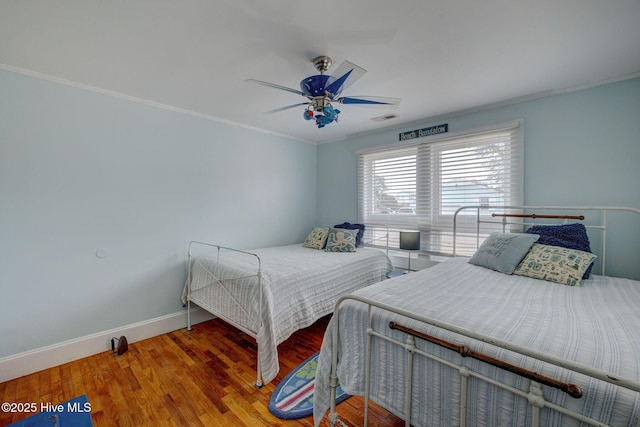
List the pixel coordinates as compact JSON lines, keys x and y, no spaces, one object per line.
{"x":341,"y":240}
{"x":317,"y":239}
{"x":349,"y":226}
{"x":555,"y":264}
{"x":572,"y":236}
{"x":503,"y":251}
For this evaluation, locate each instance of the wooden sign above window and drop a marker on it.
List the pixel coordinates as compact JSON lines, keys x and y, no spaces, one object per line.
{"x":419,"y":133}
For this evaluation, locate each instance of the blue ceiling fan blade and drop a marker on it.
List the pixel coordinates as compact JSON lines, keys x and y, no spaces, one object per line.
{"x":374,"y":101}
{"x":286,"y":108}
{"x":275,"y":86}
{"x":343,"y":77}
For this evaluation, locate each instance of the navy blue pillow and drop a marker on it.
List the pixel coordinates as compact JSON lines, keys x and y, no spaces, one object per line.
{"x":572,"y":236}
{"x":349,"y":226}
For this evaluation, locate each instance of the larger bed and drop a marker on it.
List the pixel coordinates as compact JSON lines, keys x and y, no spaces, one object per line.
{"x":270,"y":293}
{"x":585,"y":340}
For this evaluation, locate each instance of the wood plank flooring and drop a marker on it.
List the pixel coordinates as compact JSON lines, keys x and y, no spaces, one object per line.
{"x":204,"y":377}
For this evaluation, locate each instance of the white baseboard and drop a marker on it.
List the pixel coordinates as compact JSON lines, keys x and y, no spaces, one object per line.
{"x":28,"y":362}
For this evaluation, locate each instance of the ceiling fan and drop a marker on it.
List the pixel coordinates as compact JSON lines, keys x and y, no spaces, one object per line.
{"x":322,"y":90}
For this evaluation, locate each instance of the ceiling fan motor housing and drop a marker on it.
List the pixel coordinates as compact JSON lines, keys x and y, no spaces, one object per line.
{"x":314,"y":86}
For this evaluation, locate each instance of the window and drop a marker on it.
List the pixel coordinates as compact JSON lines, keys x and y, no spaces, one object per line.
{"x":422,"y":184}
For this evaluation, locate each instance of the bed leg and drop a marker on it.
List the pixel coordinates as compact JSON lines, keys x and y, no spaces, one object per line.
{"x":189,"y":328}
{"x":259,"y":383}
{"x":334,"y":420}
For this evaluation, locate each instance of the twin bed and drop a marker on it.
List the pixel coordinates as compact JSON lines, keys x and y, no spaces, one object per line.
{"x":272,"y":292}
{"x":440,"y":347}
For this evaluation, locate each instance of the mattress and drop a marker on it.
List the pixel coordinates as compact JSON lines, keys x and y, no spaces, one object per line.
{"x":596,"y":324}
{"x":300,"y":286}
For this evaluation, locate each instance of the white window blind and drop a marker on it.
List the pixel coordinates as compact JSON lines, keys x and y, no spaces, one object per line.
{"x":420,"y":186}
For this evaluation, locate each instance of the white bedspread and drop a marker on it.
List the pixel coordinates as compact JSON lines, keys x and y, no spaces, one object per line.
{"x":597,"y":324}
{"x":300,"y":286}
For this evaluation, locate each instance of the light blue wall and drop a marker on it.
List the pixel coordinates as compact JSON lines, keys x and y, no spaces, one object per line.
{"x":81,"y":171}
{"x":581,"y":148}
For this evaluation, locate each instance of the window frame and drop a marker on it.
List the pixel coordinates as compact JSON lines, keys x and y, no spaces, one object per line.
{"x":429,"y":179}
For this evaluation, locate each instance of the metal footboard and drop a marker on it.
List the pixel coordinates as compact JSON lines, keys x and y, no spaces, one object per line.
{"x":252,"y":332}
{"x":534,"y":396}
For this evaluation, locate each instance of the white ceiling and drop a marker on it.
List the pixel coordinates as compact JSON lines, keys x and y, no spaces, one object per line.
{"x":439,"y":56}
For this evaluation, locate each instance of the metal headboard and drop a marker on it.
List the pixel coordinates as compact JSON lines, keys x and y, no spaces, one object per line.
{"x":526,"y":216}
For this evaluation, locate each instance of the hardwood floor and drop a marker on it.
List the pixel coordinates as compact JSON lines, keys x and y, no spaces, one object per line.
{"x":200,"y":378}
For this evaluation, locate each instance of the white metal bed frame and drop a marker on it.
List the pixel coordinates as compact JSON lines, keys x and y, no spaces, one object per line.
{"x":535,"y":395}
{"x":379,"y":239}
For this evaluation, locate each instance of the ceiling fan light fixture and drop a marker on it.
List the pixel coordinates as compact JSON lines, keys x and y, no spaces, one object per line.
{"x":308,"y":115}
{"x":320,"y":102}
{"x":321,"y":90}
